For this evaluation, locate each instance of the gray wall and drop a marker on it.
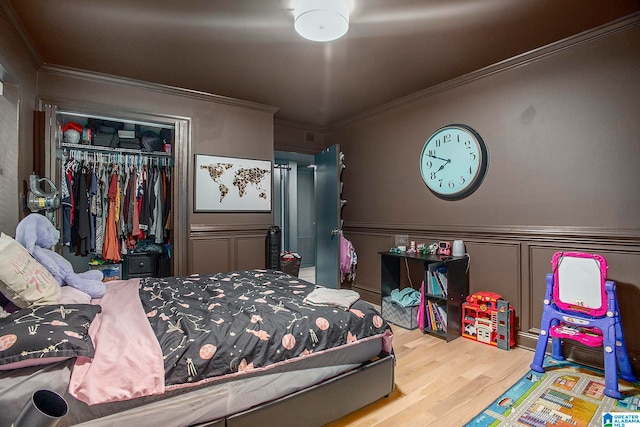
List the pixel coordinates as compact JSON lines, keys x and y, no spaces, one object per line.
{"x":563,"y":134}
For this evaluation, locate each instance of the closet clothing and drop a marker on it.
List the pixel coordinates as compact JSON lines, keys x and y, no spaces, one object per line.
{"x":109,"y":206}
{"x":348,"y":260}
{"x":83,"y":229}
{"x":111,"y":248}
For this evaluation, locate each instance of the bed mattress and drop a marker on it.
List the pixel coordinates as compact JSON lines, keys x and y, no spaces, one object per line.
{"x":180,"y":407}
{"x":283,"y":348}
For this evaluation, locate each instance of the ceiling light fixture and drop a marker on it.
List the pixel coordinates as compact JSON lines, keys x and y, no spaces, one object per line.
{"x":321,"y":20}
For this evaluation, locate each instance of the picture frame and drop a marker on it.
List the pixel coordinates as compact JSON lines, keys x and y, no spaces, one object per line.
{"x":228,"y":184}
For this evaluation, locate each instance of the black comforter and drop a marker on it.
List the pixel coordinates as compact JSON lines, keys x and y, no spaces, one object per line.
{"x":212,"y":325}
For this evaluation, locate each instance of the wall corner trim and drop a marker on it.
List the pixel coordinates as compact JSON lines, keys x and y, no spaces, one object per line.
{"x":166,"y":89}
{"x":8,"y":14}
{"x":613,"y":27}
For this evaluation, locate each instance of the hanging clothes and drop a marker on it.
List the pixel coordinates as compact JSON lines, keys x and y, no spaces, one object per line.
{"x":135,"y":229}
{"x":348,"y":260}
{"x":101,"y":210}
{"x":143,"y":200}
{"x":111,"y":250}
{"x":110,"y":204}
{"x":93,"y":192}
{"x":83,"y":229}
{"x":66,"y":202}
{"x":158,"y":223}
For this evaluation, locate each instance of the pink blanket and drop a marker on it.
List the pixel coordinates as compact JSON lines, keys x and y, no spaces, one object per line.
{"x":128,"y":359}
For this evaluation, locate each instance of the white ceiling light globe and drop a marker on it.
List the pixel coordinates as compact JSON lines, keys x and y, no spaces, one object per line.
{"x":321,"y":20}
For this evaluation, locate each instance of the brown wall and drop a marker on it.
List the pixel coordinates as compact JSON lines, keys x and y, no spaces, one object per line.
{"x":217,"y":126}
{"x":18,"y":73}
{"x":298,"y":138}
{"x":563,"y":134}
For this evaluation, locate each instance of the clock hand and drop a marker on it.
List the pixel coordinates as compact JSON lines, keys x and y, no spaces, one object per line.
{"x":439,"y":158}
{"x":442,"y":166}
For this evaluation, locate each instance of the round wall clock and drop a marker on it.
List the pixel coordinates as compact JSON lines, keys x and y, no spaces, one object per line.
{"x":454,"y":162}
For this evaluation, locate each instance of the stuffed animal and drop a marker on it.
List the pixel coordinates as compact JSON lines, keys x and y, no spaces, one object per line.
{"x":36,"y":233}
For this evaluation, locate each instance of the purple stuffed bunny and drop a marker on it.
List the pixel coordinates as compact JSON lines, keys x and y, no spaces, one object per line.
{"x":36,"y":233}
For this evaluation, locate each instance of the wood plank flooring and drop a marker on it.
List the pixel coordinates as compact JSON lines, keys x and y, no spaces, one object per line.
{"x":439,"y":383}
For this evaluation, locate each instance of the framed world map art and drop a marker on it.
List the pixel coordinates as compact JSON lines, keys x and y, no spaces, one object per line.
{"x":226,"y":184}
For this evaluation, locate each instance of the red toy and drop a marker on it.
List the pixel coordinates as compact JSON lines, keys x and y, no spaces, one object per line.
{"x":488,"y":319}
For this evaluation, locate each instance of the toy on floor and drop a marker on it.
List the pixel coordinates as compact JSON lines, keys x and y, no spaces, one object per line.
{"x":581,"y":304}
{"x":489,"y":319}
{"x":37,"y":234}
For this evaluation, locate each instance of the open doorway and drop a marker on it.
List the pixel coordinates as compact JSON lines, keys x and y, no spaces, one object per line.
{"x":307,"y":200}
{"x":294,"y":207}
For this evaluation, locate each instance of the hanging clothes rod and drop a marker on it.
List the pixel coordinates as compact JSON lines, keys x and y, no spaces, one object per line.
{"x":114,"y":150}
{"x":281,"y":166}
{"x":126,"y":159}
{"x":116,"y":155}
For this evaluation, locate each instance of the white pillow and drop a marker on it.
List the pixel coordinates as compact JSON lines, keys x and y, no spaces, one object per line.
{"x":23,"y":280}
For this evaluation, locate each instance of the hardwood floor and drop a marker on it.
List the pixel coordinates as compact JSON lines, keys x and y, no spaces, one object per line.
{"x":439,"y":383}
{"x":308,"y":274}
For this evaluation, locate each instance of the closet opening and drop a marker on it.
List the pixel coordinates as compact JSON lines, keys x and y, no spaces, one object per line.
{"x":123,"y":200}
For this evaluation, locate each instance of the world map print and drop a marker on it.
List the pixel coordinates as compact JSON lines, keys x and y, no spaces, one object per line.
{"x":242,"y":178}
{"x":232,"y":184}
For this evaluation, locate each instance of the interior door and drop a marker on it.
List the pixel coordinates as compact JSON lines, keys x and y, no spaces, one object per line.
{"x":327,"y":189}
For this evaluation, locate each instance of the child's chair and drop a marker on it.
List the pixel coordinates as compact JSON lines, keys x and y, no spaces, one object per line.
{"x":580,"y":304}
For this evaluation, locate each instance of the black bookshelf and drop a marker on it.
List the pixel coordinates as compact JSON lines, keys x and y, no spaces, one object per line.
{"x":453,"y":268}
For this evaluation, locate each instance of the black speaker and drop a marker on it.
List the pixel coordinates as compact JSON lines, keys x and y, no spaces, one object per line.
{"x":274,"y":235}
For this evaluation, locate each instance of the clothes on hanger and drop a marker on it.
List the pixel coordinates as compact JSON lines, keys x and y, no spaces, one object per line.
{"x":110,"y":202}
{"x":348,"y":260}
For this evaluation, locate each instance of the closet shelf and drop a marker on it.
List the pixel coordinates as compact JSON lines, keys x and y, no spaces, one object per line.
{"x":114,"y":150}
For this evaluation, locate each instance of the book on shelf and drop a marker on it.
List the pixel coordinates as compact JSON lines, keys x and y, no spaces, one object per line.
{"x":437,"y":283}
{"x":442,"y":280}
{"x":430,"y":315}
{"x":436,"y":289}
{"x":437,"y":317}
{"x":442,"y":313}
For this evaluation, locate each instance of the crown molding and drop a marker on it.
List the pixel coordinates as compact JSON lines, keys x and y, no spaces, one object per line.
{"x":517,"y":61}
{"x":8,"y":14}
{"x":93,"y":76}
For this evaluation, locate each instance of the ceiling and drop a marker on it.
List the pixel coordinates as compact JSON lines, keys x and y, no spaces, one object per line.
{"x":248,"y":49}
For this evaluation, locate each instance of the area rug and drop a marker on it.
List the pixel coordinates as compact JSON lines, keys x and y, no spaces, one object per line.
{"x":567,"y":394}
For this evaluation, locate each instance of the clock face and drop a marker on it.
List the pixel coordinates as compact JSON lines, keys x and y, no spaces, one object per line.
{"x":454,"y":162}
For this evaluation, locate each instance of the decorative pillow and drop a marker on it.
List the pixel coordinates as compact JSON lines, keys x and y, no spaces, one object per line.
{"x":46,"y":334}
{"x":70,"y":295}
{"x":23,"y":280}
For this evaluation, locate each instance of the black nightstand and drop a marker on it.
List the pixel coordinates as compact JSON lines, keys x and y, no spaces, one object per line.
{"x":142,"y":264}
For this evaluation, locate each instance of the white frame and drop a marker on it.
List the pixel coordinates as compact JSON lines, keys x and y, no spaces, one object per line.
{"x":207,"y":193}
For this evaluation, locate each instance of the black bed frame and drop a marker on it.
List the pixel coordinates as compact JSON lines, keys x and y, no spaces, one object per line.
{"x":321,"y":403}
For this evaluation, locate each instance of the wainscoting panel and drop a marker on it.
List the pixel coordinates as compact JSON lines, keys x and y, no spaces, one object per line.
{"x":210,"y":255}
{"x":367,"y":246}
{"x":495,"y":266}
{"x":250,"y":252}
{"x":514,"y":263}
{"x":215,"y":248}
